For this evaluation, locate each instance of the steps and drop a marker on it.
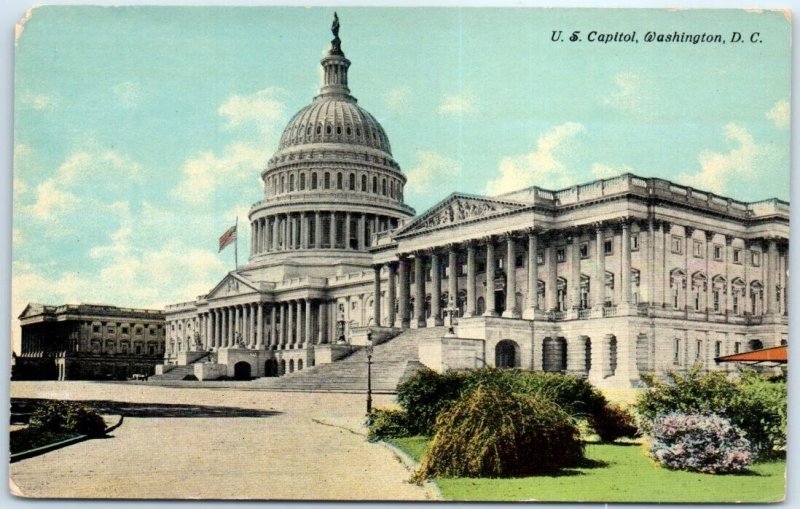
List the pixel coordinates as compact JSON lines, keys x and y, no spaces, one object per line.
{"x":393,"y":362}
{"x":176,"y":373}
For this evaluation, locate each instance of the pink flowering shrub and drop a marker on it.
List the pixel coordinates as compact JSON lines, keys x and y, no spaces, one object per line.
{"x":701,"y":443}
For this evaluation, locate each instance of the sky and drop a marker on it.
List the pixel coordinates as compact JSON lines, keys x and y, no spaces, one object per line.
{"x":140,"y":132}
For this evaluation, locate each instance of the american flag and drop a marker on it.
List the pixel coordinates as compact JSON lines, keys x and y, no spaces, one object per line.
{"x":227,"y":238}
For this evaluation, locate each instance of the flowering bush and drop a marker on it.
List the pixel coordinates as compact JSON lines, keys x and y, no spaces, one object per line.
{"x":701,"y":443}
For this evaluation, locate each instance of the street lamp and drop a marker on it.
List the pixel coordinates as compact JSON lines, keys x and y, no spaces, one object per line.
{"x":369,"y":371}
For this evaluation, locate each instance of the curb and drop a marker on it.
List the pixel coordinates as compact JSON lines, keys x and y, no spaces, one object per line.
{"x":411,"y":464}
{"x":30,"y":453}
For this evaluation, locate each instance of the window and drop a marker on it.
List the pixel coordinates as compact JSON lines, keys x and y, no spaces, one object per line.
{"x":338,"y":181}
{"x":95,"y":328}
{"x":519,"y":261}
{"x":634,"y":241}
{"x":716,"y":300}
{"x":110,"y":329}
{"x":327,"y":180}
{"x":755,"y":258}
{"x":717,"y":348}
{"x":697,"y":249}
{"x":375,"y":185}
{"x":363,"y":183}
{"x":124,"y":330}
{"x":138,"y":330}
{"x":608,"y":247}
{"x":718,"y":253}
{"x":584,"y":250}
{"x":352,"y":182}
{"x":677,"y":243}
{"x":676,"y":352}
{"x":737,"y":256}
{"x":313,"y":181}
{"x":561,"y":255}
{"x":737,"y":347}
{"x":291,"y":182}
{"x":152,"y":331}
{"x":698,"y":354}
{"x":302,"y":181}
{"x":540,"y":258}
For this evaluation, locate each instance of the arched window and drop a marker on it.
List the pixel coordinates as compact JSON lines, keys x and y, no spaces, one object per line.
{"x":391,"y":188}
{"x":352,"y":182}
{"x":319,"y":129}
{"x":283,"y":182}
{"x":327,"y":180}
{"x":612,"y":354}
{"x":375,"y":185}
{"x":328,"y":129}
{"x":313,"y":180}
{"x":363,"y":183}
{"x":302,"y":181}
{"x":291,"y":182}
{"x":383,"y":187}
{"x":338,"y":181}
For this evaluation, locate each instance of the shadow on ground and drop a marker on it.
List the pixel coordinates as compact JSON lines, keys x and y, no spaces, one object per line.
{"x":21,"y":408}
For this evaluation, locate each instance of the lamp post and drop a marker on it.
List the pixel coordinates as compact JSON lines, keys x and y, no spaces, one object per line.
{"x":369,"y":371}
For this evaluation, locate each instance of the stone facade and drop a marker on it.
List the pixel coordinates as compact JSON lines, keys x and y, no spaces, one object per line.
{"x":607,"y":280}
{"x":87,"y":341}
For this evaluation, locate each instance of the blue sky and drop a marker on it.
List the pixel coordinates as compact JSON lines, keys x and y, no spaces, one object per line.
{"x":140,"y":132}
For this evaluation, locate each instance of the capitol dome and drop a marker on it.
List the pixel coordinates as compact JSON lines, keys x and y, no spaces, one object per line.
{"x":332,"y":187}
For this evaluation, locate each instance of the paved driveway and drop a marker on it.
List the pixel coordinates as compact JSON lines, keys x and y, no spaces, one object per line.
{"x":309,"y":449}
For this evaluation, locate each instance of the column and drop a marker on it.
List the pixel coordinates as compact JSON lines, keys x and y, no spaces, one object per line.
{"x":251,"y":331}
{"x":625,"y":276}
{"x":347,"y":232}
{"x":376,"y":295}
{"x":260,"y":326}
{"x":209,"y":329}
{"x":405,"y":319}
{"x":666,"y":231}
{"x":551,"y":288}
{"x":308,"y":340}
{"x":362,"y":232}
{"x":436,"y":290}
{"x":533,"y":276}
{"x":771,"y":265}
{"x":282,"y":327}
{"x":333,"y":230}
{"x":291,"y":306}
{"x":217,"y":329}
{"x":322,"y":309}
{"x":229,"y":328}
{"x":575,"y":271}
{"x":299,"y":322}
{"x":470,"y":305}
{"x":419,"y":290}
{"x":390,"y":293}
{"x":599,"y":283}
{"x":253,"y":238}
{"x":452,"y":276}
{"x":688,"y":241}
{"x":489,"y":297}
{"x":317,"y":230}
{"x":273,"y":325}
{"x":511,"y":310}
{"x":709,"y":304}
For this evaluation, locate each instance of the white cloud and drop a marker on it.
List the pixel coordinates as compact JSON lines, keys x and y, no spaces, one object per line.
{"x":719,"y":168}
{"x":52,"y":201}
{"x":397,"y":98}
{"x":127,"y":93}
{"x":626,"y":95}
{"x":262,"y":109}
{"x":780,"y":113}
{"x":36,"y":101}
{"x":431,"y":168}
{"x":541,"y":166}
{"x":457,"y":104}
{"x":604,"y":171}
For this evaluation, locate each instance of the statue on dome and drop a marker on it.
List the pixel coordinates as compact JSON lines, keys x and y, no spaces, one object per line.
{"x":335,"y":25}
{"x":336,"y":43}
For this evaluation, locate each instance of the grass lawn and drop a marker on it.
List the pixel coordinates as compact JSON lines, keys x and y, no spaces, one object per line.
{"x":616,"y":473}
{"x":31,"y":438}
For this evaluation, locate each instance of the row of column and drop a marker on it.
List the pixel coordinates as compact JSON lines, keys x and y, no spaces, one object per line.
{"x":281,"y":325}
{"x":316,"y":230}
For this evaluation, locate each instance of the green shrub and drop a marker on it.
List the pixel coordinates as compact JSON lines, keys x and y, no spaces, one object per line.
{"x":754,"y":403}
{"x":386,"y":423}
{"x":64,"y":416}
{"x":426,"y":393}
{"x":613,"y":422}
{"x":492,"y":432}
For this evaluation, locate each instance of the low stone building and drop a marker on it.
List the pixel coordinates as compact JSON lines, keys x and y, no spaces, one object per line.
{"x":88,"y":342}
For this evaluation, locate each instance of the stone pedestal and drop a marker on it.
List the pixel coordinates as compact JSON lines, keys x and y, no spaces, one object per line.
{"x":326,"y":354}
{"x":449,"y":352}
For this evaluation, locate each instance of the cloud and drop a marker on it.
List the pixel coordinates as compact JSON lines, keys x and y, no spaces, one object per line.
{"x":262,"y":109}
{"x":780,"y":113}
{"x":431,"y":168}
{"x":719,"y":168}
{"x":127,"y":93}
{"x":541,"y":166}
{"x":626,"y":94}
{"x":457,"y":104}
{"x":397,"y":98}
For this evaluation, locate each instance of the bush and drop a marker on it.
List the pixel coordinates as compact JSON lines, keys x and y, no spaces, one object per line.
{"x":424,"y":395}
{"x":700,"y":443}
{"x":754,"y":403}
{"x":613,"y":422}
{"x":63,"y":416}
{"x":491,"y":432}
{"x":387,"y":423}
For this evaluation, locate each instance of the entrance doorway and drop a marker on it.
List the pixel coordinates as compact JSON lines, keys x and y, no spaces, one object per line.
{"x":506,"y":354}
{"x":241,"y":371}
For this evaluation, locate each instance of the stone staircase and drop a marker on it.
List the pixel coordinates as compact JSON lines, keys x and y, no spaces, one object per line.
{"x":179,"y":372}
{"x":393,"y":362}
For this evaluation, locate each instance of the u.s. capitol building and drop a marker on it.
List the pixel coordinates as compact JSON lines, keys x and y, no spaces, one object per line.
{"x":609,"y":279}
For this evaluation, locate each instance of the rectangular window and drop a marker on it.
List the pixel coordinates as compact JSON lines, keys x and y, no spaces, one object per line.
{"x":716,"y":300}
{"x":755,"y":257}
{"x":717,"y":348}
{"x":718,"y":253}
{"x":463,"y":270}
{"x":519,"y":261}
{"x":737,"y":256}
{"x":699,"y":351}
{"x":540,"y":258}
{"x":95,"y":328}
{"x":152,"y":331}
{"x":737,"y":347}
{"x":124,"y":330}
{"x":481,"y":267}
{"x":698,"y":249}
{"x":608,"y":247}
{"x":584,"y":250}
{"x":634,"y":241}
{"x":676,"y":352}
{"x":561,"y":254}
{"x":677,"y":244}
{"x":138,"y":330}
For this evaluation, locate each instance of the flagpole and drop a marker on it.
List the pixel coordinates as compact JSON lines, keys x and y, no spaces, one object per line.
{"x":236,"y":245}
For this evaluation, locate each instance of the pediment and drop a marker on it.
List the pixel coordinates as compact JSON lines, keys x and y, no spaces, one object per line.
{"x":230,"y":286}
{"x":32,"y":309}
{"x":459,"y":208}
